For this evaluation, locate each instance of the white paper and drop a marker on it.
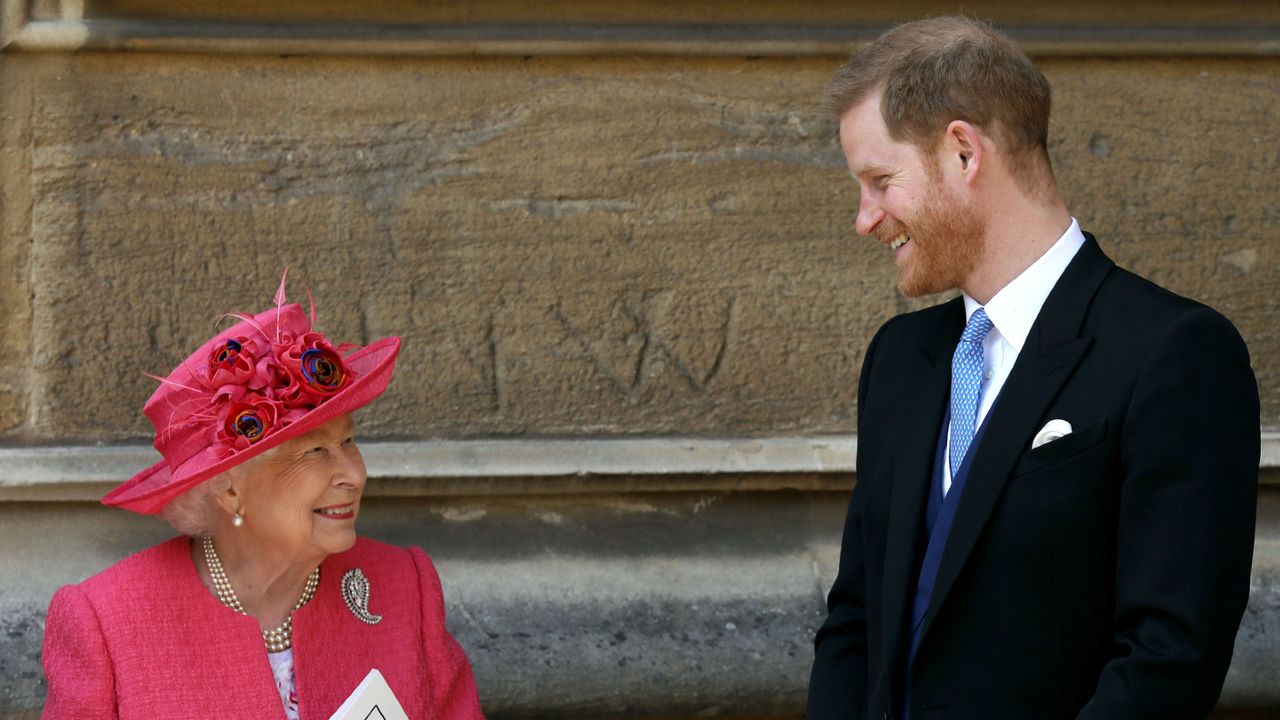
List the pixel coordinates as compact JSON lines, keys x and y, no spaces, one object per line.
{"x":371,"y":700}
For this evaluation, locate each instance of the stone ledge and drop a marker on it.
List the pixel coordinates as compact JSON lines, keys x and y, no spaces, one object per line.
{"x":468,"y":467}
{"x":549,"y":466}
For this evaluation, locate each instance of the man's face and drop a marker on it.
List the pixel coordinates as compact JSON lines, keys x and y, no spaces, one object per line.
{"x":906,"y":203}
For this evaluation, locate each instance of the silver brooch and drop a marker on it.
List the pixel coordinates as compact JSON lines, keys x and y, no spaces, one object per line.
{"x":355,"y":593}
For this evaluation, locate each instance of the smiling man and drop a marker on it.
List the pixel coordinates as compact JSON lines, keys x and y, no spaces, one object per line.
{"x":1057,"y":471}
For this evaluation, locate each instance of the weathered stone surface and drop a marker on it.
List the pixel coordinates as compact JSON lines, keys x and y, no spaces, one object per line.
{"x":15,"y":266}
{"x":1172,"y":167}
{"x":22,"y":686}
{"x":1256,"y":663}
{"x":539,"y":290}
{"x":705,"y":654}
{"x":568,"y":246}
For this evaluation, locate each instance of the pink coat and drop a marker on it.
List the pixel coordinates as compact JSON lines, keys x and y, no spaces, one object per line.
{"x":145,"y":639}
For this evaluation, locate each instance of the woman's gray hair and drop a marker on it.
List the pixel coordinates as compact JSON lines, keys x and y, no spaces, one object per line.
{"x":194,"y":513}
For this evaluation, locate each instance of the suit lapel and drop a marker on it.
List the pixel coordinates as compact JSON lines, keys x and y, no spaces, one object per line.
{"x":1054,"y":347}
{"x":916,"y":430}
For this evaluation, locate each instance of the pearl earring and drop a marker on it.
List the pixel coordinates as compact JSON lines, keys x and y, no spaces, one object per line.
{"x":237,"y":520}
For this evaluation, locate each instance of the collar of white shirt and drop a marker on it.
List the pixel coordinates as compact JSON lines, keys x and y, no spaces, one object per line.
{"x":1014,"y":308}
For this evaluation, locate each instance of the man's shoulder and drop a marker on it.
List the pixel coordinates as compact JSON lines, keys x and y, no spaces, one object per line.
{"x":1131,"y":289}
{"x":1131,"y":306}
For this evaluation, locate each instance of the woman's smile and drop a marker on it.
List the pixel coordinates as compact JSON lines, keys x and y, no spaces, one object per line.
{"x":337,"y":512}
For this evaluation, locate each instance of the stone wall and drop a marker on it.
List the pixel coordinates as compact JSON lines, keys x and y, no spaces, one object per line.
{"x":595,"y":220}
{"x":567,"y":245}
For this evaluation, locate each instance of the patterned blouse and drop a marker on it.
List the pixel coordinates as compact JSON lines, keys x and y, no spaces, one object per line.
{"x":282,"y":667}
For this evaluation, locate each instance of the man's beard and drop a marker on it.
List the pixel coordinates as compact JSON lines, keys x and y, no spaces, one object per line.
{"x":947,"y":235}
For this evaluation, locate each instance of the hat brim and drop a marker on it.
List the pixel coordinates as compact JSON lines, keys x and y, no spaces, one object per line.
{"x":150,"y":490}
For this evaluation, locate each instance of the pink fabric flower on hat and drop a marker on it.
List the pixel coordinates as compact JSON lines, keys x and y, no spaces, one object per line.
{"x":238,"y":366}
{"x":247,"y":422}
{"x":316,"y":371}
{"x":259,"y":386}
{"x":231,"y":363}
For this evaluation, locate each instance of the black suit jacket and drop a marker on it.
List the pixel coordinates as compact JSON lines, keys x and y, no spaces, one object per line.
{"x":1102,"y":575}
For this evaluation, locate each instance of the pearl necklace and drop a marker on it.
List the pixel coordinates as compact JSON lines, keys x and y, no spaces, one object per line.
{"x":279,"y":638}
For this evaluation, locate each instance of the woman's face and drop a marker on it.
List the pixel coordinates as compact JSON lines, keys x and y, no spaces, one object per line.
{"x":304,"y":497}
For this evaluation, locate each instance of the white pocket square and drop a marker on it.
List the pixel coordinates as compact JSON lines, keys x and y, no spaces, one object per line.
{"x":1052,"y":430}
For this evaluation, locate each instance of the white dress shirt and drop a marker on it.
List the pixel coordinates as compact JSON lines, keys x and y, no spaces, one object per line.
{"x":1012,"y":311}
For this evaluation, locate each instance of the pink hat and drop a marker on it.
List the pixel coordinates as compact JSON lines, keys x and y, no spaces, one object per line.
{"x":267,"y":379}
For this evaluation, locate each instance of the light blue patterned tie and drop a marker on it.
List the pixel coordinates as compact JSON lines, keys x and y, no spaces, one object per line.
{"x":966,"y":385}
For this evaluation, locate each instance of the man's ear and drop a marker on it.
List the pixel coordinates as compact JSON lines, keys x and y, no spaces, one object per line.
{"x":962,"y":149}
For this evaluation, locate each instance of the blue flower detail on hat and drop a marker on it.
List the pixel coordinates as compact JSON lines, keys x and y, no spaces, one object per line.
{"x":248,"y":425}
{"x":249,"y":421}
{"x":226,"y":354}
{"x":322,"y":368}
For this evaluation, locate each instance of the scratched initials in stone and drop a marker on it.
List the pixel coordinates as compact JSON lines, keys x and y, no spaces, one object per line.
{"x":651,"y":337}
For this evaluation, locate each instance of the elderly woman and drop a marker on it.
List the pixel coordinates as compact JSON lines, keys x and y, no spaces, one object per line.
{"x":269,"y":605}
